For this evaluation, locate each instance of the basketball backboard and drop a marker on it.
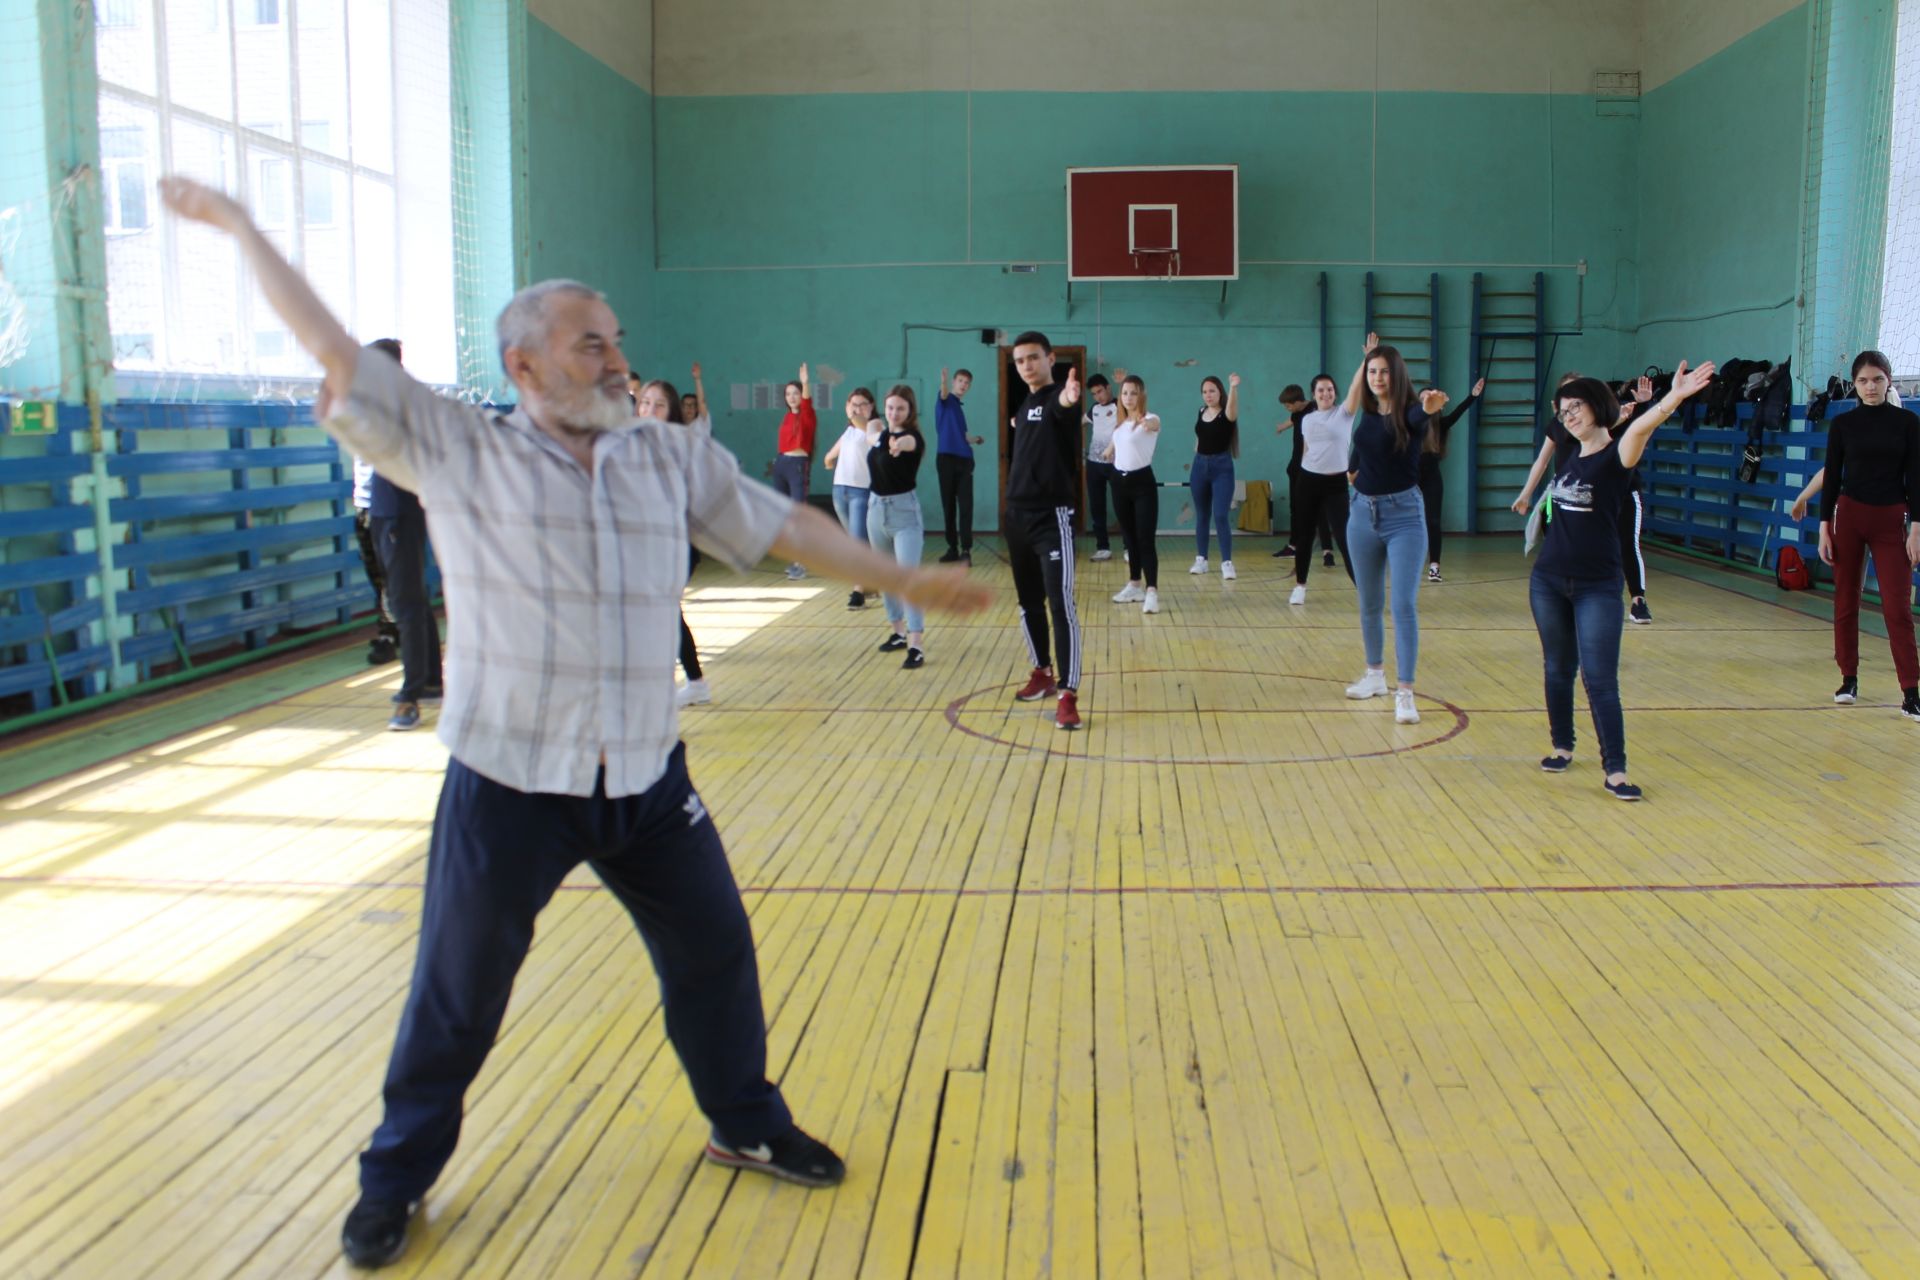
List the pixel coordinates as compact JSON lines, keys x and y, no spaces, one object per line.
{"x":1156,"y":222}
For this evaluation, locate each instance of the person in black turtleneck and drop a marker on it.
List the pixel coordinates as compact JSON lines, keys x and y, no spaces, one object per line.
{"x":1433,"y":486}
{"x":1043,"y":488}
{"x":1871,"y":502}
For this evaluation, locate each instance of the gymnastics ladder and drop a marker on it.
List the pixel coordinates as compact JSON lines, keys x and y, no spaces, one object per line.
{"x":1508,"y":344}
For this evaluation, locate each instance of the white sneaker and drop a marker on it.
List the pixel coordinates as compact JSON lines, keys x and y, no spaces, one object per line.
{"x":1299,"y":596}
{"x":1404,"y":712}
{"x":1199,"y":565}
{"x":692,"y":693}
{"x":1152,"y":601}
{"x":1370,"y":685}
{"x":1128,"y":594}
{"x":1103,"y":554}
{"x":1226,"y":570}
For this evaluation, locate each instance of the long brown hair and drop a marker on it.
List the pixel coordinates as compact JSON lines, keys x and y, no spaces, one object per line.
{"x":1399,"y":393}
{"x":1136,"y":380}
{"x":674,"y":412}
{"x":905,"y":392}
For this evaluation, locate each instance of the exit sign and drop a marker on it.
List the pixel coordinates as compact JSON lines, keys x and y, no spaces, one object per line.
{"x":32,"y":418}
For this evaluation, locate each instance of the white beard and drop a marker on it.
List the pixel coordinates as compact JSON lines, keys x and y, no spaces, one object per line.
{"x":591,"y":409}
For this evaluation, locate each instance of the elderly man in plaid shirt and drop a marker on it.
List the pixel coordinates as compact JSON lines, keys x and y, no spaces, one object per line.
{"x":561,"y":530}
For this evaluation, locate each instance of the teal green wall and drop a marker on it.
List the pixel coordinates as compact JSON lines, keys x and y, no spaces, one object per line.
{"x":589,"y":210}
{"x":784,"y":221}
{"x":1720,"y":196}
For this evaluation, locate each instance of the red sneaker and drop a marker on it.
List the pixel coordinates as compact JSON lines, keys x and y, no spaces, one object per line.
{"x":1039,"y":685}
{"x":1067,"y":714}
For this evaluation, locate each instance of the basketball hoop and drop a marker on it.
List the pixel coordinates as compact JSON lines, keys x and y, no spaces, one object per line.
{"x":1156,"y":264}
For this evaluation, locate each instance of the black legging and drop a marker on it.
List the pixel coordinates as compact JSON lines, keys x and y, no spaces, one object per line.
{"x":1321,"y":497}
{"x":1433,"y":492}
{"x":689,"y":652}
{"x":1294,"y":484}
{"x":1136,"y":500}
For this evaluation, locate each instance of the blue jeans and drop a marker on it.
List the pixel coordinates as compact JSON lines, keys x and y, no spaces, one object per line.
{"x":1212,"y":483}
{"x":850,"y":504}
{"x":894,"y":526}
{"x":1580,"y":624}
{"x":1387,"y":533}
{"x":496,"y":857}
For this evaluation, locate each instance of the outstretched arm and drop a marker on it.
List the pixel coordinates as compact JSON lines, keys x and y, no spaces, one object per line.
{"x":1233,"y":397}
{"x":813,"y":539}
{"x":286,"y":290}
{"x":1359,"y":382}
{"x":1686,"y":382}
{"x":1535,"y":475}
{"x":699,"y":392}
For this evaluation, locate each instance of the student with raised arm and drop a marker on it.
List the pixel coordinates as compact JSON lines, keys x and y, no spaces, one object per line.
{"x":1136,"y":493}
{"x":1433,"y":485}
{"x":954,"y":466}
{"x":1043,"y":485}
{"x":794,"y":466}
{"x":1578,"y":577}
{"x":693,"y":405}
{"x":1873,"y":453}
{"x":895,"y":526}
{"x":852,"y":483}
{"x":561,"y":530}
{"x":1387,"y":527}
{"x":1216,"y":442}
{"x":1325,"y":437}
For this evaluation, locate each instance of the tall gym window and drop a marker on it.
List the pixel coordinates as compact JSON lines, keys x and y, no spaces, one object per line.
{"x":297,"y":108}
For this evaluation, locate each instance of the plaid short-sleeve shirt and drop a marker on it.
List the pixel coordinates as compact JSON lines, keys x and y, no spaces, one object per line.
{"x":562,"y":586}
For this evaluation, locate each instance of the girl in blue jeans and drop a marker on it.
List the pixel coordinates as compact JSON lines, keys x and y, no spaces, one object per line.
{"x":1387,"y":524}
{"x":894,"y":523}
{"x":1577,"y":581}
{"x":1216,"y":440}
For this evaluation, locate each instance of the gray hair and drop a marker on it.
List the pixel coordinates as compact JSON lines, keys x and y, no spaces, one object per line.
{"x":525,"y":320}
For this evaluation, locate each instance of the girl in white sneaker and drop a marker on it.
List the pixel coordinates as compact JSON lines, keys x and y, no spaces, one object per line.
{"x":1136,"y":493}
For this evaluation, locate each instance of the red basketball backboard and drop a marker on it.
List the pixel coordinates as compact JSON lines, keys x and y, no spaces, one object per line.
{"x":1157,"y":222}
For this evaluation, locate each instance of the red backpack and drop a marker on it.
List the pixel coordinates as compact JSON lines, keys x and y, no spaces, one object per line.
{"x":1790,"y":571}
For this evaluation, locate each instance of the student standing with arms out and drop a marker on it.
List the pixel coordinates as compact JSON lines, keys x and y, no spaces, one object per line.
{"x":1870,"y":501}
{"x":1433,"y":485}
{"x":560,"y":725}
{"x":1043,"y":483}
{"x":1100,"y":418}
{"x":1325,"y":436}
{"x":1387,"y":528}
{"x":1577,"y":579}
{"x":1294,"y":401}
{"x":1215,"y":443}
{"x":795,"y":463}
{"x":1136,"y":492}
{"x":954,"y":466}
{"x":894,"y":524}
{"x":851,"y":481}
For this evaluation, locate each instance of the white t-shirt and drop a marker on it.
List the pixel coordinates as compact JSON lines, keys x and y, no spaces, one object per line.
{"x":1133,"y":444}
{"x":850,"y":468}
{"x":703,"y":425}
{"x":1327,"y":436}
{"x":1103,"y":416}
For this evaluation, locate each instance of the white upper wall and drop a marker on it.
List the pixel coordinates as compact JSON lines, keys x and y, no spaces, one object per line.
{"x":1679,"y":34}
{"x":617,"y":32}
{"x":892,"y":46}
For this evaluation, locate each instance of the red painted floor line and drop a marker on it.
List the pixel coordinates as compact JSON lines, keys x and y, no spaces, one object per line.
{"x":1099,"y":891}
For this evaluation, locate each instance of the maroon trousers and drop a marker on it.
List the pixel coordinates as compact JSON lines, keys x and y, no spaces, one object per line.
{"x":1857,"y":529}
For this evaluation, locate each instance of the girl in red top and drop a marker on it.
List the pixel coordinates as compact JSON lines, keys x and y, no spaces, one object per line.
{"x":795,"y":463}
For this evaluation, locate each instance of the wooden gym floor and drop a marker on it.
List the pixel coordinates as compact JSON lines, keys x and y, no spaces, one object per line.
{"x":1243,"y":980}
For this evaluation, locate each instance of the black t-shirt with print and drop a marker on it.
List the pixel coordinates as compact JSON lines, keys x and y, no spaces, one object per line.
{"x":1583,"y":532}
{"x":1044,"y":470}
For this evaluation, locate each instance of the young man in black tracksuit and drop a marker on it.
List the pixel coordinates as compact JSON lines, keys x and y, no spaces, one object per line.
{"x":1043,"y":489}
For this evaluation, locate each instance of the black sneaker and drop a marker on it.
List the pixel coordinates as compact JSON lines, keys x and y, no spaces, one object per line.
{"x":894,"y":643}
{"x":375,"y":1232}
{"x":793,"y":1156}
{"x":1639,"y":613}
{"x":916,"y":659}
{"x":1623,"y":791}
{"x":952,"y":557}
{"x":856,"y":600}
{"x":381,"y":652}
{"x":966,"y":558}
{"x":1556,"y":764}
{"x":1910,"y":704}
{"x":1849,"y":691}
{"x":1328,"y":559}
{"x":1284,"y":551}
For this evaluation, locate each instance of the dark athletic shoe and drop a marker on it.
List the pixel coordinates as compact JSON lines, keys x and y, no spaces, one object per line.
{"x":375,"y":1232}
{"x":1910,"y":704}
{"x":1284,"y":551}
{"x":1556,"y":764}
{"x":856,"y":599}
{"x":1328,"y":559}
{"x":381,"y":652}
{"x":916,"y":659}
{"x":894,"y":643}
{"x":793,"y":1156}
{"x":1640,"y":613}
{"x":1623,"y":791}
{"x":952,"y":557}
{"x":405,"y":716}
{"x":1849,"y":691}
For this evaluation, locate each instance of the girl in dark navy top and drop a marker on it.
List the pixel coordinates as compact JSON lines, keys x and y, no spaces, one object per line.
{"x":1577,"y":581}
{"x":1216,"y":440}
{"x":1387,"y":525}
